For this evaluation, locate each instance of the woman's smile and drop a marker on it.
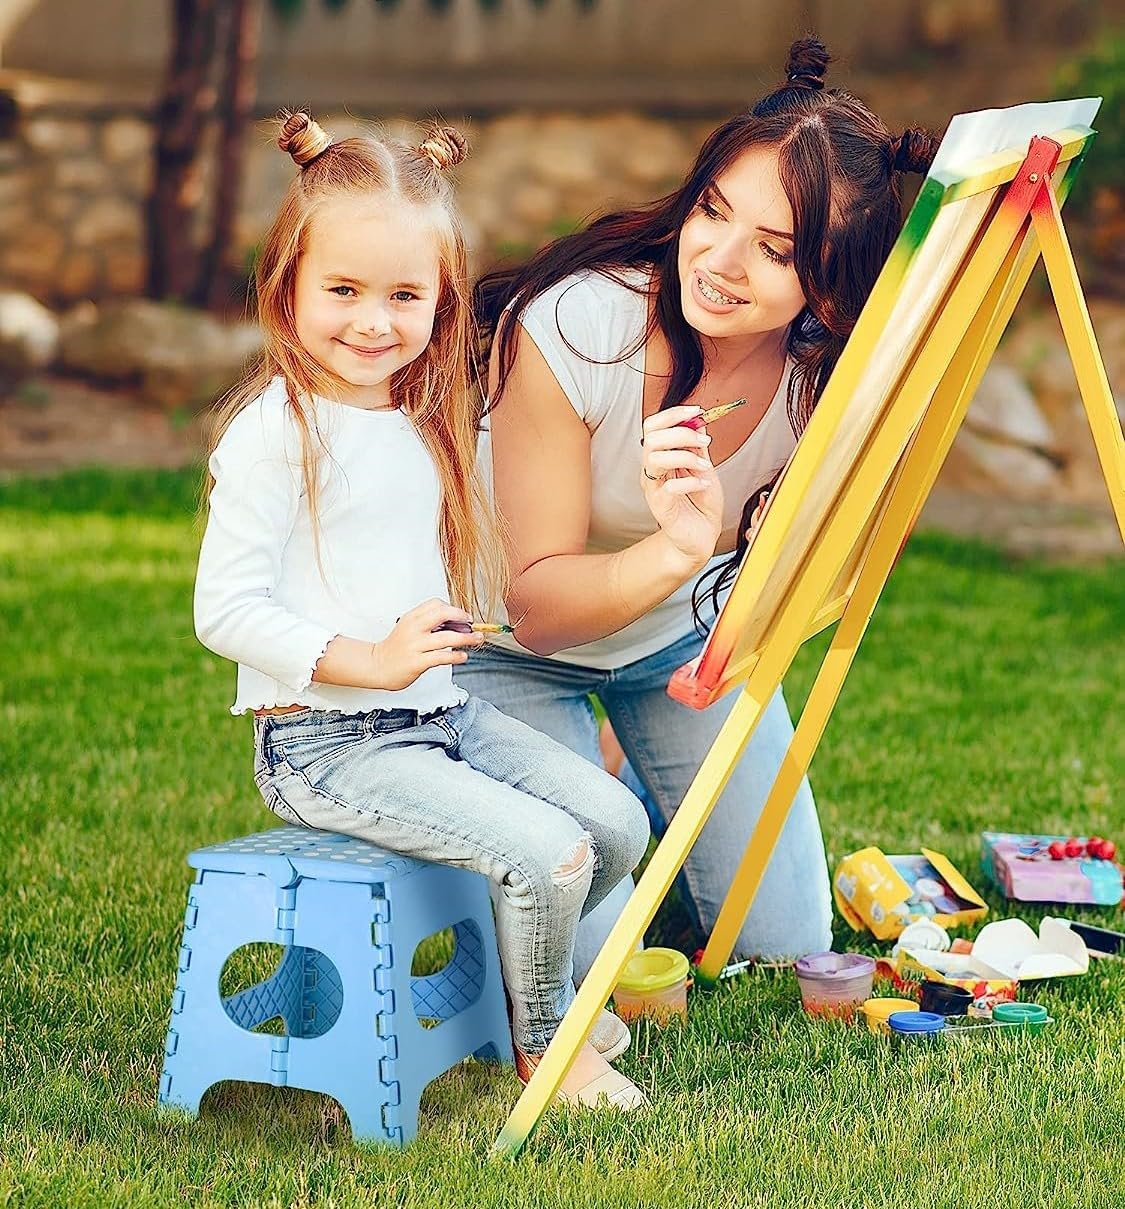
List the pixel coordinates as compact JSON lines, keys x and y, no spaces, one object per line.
{"x":714,"y":299}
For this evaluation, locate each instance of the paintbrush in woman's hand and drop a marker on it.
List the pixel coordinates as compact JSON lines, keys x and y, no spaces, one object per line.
{"x":711,"y":414}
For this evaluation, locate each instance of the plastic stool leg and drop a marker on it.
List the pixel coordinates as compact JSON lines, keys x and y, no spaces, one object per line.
{"x":204,"y":1045}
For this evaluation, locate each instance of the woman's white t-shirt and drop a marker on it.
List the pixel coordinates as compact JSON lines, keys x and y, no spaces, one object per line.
{"x":582,"y":326}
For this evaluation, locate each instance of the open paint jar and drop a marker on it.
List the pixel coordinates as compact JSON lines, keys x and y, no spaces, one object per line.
{"x":654,"y":984}
{"x":944,"y":999}
{"x":834,"y":984}
{"x":877,"y":1011}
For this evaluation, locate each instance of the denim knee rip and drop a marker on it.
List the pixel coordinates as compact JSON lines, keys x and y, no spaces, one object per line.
{"x":580,"y":861}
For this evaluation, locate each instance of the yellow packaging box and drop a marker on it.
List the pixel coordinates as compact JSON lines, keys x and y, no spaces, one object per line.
{"x":884,"y":893}
{"x":956,"y":969}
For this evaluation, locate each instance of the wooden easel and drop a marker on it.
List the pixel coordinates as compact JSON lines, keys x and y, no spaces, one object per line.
{"x":848,"y":556}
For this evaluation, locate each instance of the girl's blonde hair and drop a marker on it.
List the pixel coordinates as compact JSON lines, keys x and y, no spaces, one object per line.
{"x":435,"y":390}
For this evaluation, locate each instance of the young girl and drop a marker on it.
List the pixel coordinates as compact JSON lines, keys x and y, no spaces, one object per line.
{"x":344,"y":509}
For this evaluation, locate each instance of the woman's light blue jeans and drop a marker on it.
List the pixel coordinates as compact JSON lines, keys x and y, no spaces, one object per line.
{"x":473,"y":788}
{"x":665,"y":743}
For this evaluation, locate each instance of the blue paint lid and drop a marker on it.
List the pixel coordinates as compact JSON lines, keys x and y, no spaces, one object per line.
{"x":915,"y":1022}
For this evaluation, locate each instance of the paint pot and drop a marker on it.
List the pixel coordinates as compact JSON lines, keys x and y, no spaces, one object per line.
{"x":944,"y":999}
{"x":834,"y":984}
{"x":916,"y":1026}
{"x":1033,"y":1015}
{"x":876,"y":1012}
{"x":654,"y":984}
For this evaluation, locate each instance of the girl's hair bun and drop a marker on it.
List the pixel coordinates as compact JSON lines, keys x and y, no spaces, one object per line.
{"x":444,"y":146}
{"x":302,"y":138}
{"x":913,"y":150}
{"x":808,"y":62}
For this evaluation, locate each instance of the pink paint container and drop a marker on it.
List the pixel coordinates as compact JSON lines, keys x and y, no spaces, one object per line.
{"x":835,"y":984}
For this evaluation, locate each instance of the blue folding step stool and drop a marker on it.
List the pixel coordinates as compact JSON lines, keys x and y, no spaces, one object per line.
{"x":350,"y":916}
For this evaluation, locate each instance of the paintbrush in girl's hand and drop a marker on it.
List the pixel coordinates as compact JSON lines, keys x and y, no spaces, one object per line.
{"x":711,"y":414}
{"x":476,"y":627}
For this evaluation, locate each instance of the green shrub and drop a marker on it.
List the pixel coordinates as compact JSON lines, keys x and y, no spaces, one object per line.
{"x":1101,"y":73}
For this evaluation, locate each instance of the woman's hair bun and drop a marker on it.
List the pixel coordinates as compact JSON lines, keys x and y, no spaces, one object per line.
{"x":808,"y":62}
{"x":914,"y":150}
{"x":302,"y":138}
{"x":444,"y":146}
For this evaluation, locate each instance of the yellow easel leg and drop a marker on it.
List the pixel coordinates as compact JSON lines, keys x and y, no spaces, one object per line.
{"x":919,"y":469}
{"x":1093,"y":384}
{"x":984,"y":278}
{"x":649,"y":893}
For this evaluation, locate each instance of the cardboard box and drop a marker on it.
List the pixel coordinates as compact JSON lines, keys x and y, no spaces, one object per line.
{"x":1005,"y":953}
{"x":885,"y":893}
{"x":1023,"y":869}
{"x":987,"y":986}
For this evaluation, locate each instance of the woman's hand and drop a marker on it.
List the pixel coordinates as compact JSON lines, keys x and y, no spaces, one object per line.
{"x":680,"y":485}
{"x":756,"y":517}
{"x":416,"y":644}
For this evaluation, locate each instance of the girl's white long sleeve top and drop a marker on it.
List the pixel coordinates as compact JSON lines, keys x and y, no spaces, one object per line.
{"x":273,"y":589}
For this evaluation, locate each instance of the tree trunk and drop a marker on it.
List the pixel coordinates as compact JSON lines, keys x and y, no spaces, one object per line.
{"x":237,"y":87}
{"x":181,"y":120}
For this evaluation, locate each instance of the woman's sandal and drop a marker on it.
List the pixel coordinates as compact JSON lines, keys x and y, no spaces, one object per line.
{"x":611,"y":1088}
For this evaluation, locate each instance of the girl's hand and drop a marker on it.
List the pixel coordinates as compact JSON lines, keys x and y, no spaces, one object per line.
{"x":681,"y":487}
{"x":413,"y":647}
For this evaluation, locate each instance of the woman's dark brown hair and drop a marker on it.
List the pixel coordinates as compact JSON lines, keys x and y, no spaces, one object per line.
{"x":840,"y":169}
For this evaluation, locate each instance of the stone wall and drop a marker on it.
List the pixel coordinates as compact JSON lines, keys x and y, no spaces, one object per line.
{"x":75,"y":163}
{"x":74,"y":174}
{"x":585,"y":54}
{"x":76,"y":168}
{"x":619,"y":125}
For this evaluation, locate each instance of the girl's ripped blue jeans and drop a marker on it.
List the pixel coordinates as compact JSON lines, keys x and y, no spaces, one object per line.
{"x":474,"y":788}
{"x":665,"y":743}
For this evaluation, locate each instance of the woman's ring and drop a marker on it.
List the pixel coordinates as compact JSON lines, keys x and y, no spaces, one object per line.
{"x":652,"y":478}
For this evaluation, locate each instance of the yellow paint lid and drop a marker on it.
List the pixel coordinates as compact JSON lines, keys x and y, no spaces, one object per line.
{"x":653,"y":970}
{"x":877,"y":1010}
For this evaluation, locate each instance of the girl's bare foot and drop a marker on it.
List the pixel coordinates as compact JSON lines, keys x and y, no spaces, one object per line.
{"x":590,"y":1081}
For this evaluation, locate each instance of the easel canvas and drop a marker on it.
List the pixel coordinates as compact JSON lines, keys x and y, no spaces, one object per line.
{"x":957,"y":202}
{"x":855,"y":485}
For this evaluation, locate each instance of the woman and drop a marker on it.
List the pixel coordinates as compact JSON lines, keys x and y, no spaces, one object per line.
{"x":743,"y":283}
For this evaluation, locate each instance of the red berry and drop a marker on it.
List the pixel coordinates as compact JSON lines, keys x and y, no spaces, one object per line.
{"x":1075,"y":847}
{"x":1109,"y":850}
{"x":1093,"y":845}
{"x":1057,"y":849}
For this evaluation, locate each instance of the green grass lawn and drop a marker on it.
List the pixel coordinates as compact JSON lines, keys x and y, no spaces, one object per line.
{"x":987,"y":695}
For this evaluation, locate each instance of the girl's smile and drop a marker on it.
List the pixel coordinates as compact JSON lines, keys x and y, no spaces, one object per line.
{"x":368,"y":352}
